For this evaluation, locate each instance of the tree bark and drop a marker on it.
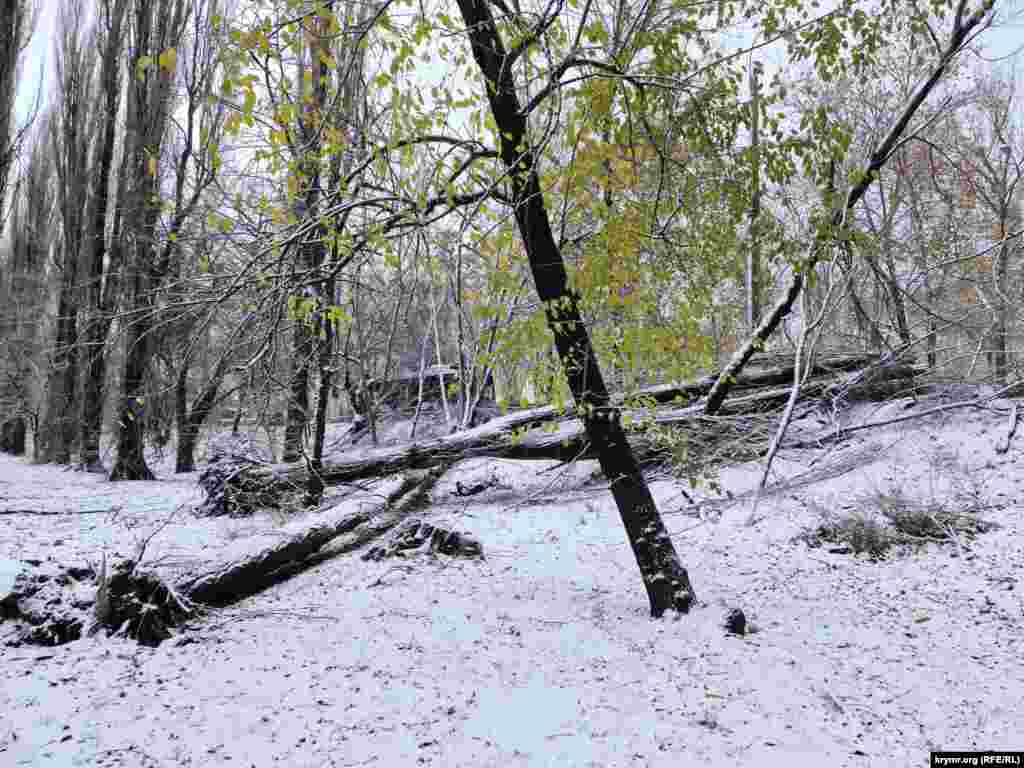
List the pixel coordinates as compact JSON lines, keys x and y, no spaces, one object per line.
{"x":101,"y":286}
{"x":93,"y":388}
{"x":1000,"y":353}
{"x":131,"y":459}
{"x":315,"y":487}
{"x":59,"y":424}
{"x":311,"y":251}
{"x":665,"y":579}
{"x":753,"y":272}
{"x":359,"y":519}
{"x":145,"y":603}
{"x":297,"y":413}
{"x":15,"y":29}
{"x":189,"y":422}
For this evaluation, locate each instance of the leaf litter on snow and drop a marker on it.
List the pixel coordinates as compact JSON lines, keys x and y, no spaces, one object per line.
{"x":543,"y":653}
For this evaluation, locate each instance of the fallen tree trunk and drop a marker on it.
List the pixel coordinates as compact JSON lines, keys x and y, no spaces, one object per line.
{"x":549,"y":434}
{"x":360,"y":518}
{"x":48,"y":607}
{"x":763,"y":370}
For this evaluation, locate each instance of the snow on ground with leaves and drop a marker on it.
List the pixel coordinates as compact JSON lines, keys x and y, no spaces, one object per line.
{"x":544,"y":654}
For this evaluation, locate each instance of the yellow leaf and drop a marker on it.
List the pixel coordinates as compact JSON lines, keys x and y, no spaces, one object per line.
{"x":152,"y":167}
{"x":668,"y":344}
{"x":168,"y":60}
{"x":142,"y":65}
{"x":602,"y":97}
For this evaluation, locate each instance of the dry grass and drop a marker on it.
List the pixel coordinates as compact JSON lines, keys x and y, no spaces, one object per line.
{"x":879,"y":521}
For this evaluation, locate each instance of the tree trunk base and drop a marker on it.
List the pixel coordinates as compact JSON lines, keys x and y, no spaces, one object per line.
{"x":126,"y":470}
{"x":12,"y":436}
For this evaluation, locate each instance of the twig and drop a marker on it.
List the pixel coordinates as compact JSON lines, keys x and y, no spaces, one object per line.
{"x":140,"y":546}
{"x":951,"y":533}
{"x":794,"y":395}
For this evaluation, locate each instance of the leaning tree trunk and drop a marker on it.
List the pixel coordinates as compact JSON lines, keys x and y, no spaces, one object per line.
{"x":665,"y":578}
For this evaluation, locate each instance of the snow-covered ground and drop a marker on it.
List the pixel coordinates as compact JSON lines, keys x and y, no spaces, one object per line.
{"x":544,"y":654}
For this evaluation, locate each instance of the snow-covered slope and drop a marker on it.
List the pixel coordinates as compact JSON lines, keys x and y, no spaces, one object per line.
{"x":543,"y":654}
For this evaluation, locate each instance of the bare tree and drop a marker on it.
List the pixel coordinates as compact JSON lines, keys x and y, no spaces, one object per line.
{"x":17,"y":20}
{"x":965,"y":24}
{"x":101,"y":262}
{"x":994,"y":150}
{"x":23,"y":287}
{"x":71,"y":133}
{"x":194,"y":319}
{"x":157,"y":31}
